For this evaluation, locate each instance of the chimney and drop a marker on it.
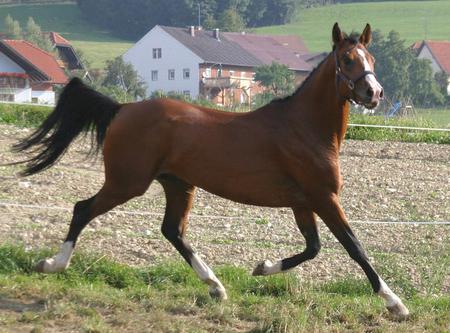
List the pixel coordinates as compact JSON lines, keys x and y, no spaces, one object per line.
{"x":192,"y":30}
{"x":216,"y":34}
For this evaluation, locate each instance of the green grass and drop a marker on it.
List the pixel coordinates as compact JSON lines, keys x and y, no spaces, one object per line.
{"x":33,"y":116}
{"x":98,"y":45}
{"x":440,"y":117}
{"x":386,"y":134}
{"x":98,"y":295}
{"x":23,"y":115}
{"x":414,"y":20}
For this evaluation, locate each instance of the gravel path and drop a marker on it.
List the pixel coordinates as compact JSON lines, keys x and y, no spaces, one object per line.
{"x":384,"y":181}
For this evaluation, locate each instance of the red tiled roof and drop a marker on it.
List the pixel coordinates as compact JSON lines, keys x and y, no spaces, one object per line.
{"x":56,"y":38}
{"x":284,"y":49}
{"x":441,"y":53}
{"x":43,"y":61}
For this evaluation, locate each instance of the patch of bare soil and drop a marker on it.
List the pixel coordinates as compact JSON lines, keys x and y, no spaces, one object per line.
{"x":384,"y":181}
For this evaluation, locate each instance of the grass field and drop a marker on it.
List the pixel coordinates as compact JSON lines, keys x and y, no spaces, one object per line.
{"x":98,"y":295}
{"x":414,"y":20}
{"x":32,"y":116}
{"x":98,"y":45}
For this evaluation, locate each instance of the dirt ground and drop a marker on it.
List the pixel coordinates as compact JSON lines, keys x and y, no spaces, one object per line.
{"x":384,"y":181}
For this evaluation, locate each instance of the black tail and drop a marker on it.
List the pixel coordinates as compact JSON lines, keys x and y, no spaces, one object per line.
{"x":79,"y":108}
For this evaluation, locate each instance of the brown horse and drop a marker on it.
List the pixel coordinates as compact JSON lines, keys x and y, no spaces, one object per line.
{"x":285,"y":154}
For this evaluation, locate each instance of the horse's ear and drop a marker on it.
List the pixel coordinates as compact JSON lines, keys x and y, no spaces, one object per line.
{"x":338,"y":36}
{"x":366,"y":36}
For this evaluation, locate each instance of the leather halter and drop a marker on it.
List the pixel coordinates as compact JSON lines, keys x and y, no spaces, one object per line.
{"x":349,"y":82}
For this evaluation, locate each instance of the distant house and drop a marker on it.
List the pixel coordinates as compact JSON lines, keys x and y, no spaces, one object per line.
{"x":68,"y":57}
{"x":27,"y":73}
{"x":438,"y":52}
{"x":217,"y":65}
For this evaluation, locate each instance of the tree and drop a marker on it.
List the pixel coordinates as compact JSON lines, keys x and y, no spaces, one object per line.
{"x":423,"y":88}
{"x":401,"y":73}
{"x":34,"y":35}
{"x":122,"y":76}
{"x":277,"y":78}
{"x":13,"y":29}
{"x":442,"y":80}
{"x":230,"y":20}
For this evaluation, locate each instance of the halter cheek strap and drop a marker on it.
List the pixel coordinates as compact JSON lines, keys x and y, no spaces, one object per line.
{"x":349,"y":82}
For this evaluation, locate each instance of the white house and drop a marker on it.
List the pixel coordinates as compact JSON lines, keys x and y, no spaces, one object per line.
{"x":219,"y":66}
{"x":438,"y":52}
{"x":164,"y":63}
{"x":27,"y":73}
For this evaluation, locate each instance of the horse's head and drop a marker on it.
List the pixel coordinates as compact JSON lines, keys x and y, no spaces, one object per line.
{"x":355,"y":75}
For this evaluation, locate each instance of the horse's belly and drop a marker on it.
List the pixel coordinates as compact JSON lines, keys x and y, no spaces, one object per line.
{"x":252,"y":190}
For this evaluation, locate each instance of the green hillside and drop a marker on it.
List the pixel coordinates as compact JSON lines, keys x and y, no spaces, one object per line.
{"x":97,"y":45}
{"x":414,"y":20}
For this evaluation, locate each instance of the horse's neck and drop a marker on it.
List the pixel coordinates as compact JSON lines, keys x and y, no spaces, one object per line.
{"x":319,"y":104}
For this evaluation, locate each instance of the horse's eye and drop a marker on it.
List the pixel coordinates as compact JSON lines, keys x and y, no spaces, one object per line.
{"x":347,"y":61}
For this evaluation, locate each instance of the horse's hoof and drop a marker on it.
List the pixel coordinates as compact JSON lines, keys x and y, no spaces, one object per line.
{"x":261,"y":268}
{"x":218,"y":293}
{"x":399,"y":310}
{"x":40,"y":266}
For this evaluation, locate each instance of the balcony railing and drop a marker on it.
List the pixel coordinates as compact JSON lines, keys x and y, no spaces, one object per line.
{"x":217,"y":82}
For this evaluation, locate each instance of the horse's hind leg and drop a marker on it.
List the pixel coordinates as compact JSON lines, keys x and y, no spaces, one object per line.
{"x":306,"y":222}
{"x":333,"y":216}
{"x":111,"y":195}
{"x":179,"y":197}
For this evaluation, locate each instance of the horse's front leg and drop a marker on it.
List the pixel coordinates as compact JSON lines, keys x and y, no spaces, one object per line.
{"x":306,"y":222}
{"x":329,"y":209}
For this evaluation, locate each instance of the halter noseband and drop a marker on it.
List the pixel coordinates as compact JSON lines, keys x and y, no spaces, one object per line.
{"x":349,"y":82}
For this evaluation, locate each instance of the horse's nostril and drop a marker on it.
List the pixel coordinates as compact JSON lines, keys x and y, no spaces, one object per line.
{"x":370,"y":92}
{"x":381,"y":93}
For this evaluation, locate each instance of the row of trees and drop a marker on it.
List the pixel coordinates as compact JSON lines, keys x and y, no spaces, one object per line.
{"x":133,"y":19}
{"x":403,"y":75}
{"x":31,"y":33}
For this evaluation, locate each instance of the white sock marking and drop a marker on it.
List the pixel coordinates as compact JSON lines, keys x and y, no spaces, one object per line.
{"x":392,"y":301}
{"x":60,"y":261}
{"x":207,"y":275}
{"x":270,"y":268}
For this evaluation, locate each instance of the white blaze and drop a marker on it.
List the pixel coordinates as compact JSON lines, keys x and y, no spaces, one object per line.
{"x":370,"y":78}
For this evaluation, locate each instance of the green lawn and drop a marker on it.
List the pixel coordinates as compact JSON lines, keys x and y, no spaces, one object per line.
{"x":97,"y":45}
{"x":98,"y":295}
{"x":414,"y":20}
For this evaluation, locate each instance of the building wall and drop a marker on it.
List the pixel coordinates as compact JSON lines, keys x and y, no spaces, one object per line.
{"x":425,"y":53}
{"x":243,"y":90}
{"x":9,"y":66}
{"x":43,"y":97}
{"x":174,"y":56}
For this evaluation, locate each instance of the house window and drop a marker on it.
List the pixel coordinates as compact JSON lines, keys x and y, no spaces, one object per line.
{"x":208,"y":72}
{"x":157,"y":53}
{"x":171,"y":74}
{"x":187,"y":93}
{"x":219,"y":72}
{"x":231,"y":73}
{"x":34,"y":100}
{"x":186,"y":74}
{"x":7,"y":97}
{"x":154,"y":75}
